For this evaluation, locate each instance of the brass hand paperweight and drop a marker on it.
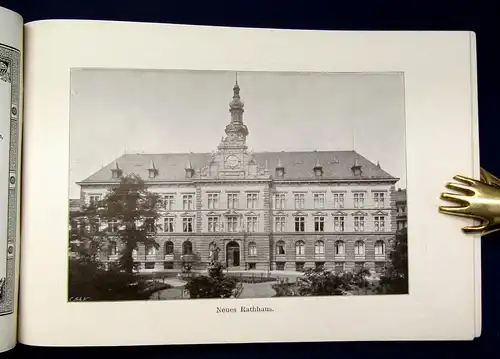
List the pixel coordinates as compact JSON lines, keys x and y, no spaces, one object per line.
{"x":478,"y":200}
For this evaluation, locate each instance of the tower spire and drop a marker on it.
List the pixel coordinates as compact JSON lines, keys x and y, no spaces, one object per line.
{"x":236,"y":130}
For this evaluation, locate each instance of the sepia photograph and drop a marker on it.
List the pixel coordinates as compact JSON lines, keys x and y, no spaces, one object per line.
{"x":236,"y":184}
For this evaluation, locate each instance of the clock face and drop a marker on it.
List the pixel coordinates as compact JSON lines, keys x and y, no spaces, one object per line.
{"x":232,"y":161}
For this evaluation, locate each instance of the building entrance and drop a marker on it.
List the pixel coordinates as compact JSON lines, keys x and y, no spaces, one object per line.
{"x":233,"y":254}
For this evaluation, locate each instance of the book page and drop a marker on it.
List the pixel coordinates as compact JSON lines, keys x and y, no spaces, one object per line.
{"x":11,"y":44}
{"x":219,"y":182}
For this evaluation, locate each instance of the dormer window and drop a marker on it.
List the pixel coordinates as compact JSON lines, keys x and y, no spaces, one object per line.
{"x":280,"y":169}
{"x":153,"y":172}
{"x":116,"y":171}
{"x":357,"y":168}
{"x":189,"y":170}
{"x":318,"y":169}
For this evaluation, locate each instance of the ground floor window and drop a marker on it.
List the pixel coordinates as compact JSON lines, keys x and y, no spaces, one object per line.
{"x":379,"y":267}
{"x":359,"y":266}
{"x":280,"y":265}
{"x":339,"y":267}
{"x":252,"y":266}
{"x":320,"y":265}
{"x":299,"y":266}
{"x":168,"y":265}
{"x":150,"y":265}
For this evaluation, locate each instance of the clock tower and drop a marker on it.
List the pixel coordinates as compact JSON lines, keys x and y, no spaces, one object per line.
{"x":233,"y":146}
{"x":236,"y":130}
{"x":232,"y":158}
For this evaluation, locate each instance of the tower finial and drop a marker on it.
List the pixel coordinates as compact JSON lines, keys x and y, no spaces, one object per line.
{"x":236,"y":91}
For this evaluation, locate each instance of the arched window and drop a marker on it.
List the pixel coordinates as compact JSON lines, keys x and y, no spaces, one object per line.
{"x":280,"y":248}
{"x":359,"y":248}
{"x":150,"y":250}
{"x":339,"y":248}
{"x":252,"y":249}
{"x":169,"y":248}
{"x":187,"y":247}
{"x":112,"y":248}
{"x":299,"y":248}
{"x":319,"y":247}
{"x":379,"y":248}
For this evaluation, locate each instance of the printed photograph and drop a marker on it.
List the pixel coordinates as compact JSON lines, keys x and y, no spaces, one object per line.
{"x":236,"y":184}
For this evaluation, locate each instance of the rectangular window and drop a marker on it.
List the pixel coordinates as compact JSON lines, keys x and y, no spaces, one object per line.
{"x":168,"y":224}
{"x":149,"y":265}
{"x":379,"y":223}
{"x":94,"y":199}
{"x":187,"y":225}
{"x":213,"y":224}
{"x":299,"y":266}
{"x":359,"y":200}
{"x":319,"y":224}
{"x":339,"y":267}
{"x":280,"y":265}
{"x":359,"y":224}
{"x":252,"y":224}
{"x":232,"y":224}
{"x":379,"y":267}
{"x":187,"y":202}
{"x":232,"y":200}
{"x":252,"y":266}
{"x":252,"y":200}
{"x":280,"y":224}
{"x":320,"y":265}
{"x":168,"y":202}
{"x":338,"y":200}
{"x":379,"y":198}
{"x":300,"y":225}
{"x":213,"y":200}
{"x":299,"y":200}
{"x":113,"y":226}
{"x":168,"y":265}
{"x":338,"y":224}
{"x":319,"y":200}
{"x":279,"y":201}
{"x":359,"y":266}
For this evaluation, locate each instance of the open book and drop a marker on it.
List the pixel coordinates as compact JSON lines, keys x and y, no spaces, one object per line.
{"x":187,"y":184}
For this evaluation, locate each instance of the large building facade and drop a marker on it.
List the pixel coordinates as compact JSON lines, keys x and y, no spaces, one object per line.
{"x":259,"y":210}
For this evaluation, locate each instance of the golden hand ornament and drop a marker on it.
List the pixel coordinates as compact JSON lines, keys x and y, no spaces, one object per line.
{"x":479,"y":200}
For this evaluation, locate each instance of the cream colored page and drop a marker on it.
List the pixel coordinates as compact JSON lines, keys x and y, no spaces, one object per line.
{"x":476,"y":172}
{"x":438,"y":93}
{"x":11,"y":44}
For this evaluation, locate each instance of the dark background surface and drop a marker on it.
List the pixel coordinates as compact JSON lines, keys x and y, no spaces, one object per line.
{"x":482,"y":17}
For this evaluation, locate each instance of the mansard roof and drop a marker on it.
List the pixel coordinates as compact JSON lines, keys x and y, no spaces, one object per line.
{"x":298,"y":165}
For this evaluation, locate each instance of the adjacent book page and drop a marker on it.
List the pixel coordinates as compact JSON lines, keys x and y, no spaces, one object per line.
{"x":11,"y":44}
{"x":222,"y":186}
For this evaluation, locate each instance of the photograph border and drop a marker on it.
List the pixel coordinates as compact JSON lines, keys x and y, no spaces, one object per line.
{"x":394,"y":223}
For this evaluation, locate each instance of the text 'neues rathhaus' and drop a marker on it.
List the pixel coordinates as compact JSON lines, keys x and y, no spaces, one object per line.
{"x":259,"y":210}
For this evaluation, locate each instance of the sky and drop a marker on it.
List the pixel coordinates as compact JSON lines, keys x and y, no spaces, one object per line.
{"x":117,"y":111}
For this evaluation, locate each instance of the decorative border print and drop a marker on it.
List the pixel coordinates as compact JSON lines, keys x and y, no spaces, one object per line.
{"x":10,"y":72}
